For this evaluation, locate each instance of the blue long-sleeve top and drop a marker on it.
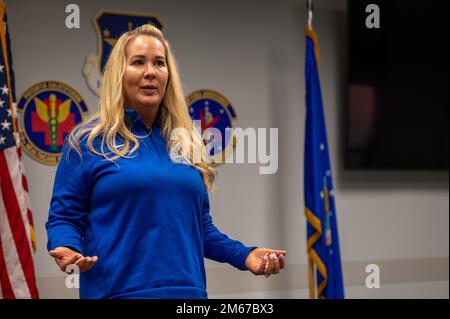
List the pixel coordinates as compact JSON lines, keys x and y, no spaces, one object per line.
{"x":145,"y":217}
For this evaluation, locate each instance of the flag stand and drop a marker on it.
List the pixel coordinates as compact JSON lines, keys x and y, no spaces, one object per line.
{"x":311,"y":270}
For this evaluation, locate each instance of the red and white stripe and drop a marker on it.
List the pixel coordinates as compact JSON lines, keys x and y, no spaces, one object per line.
{"x":17,"y":280}
{"x":26,"y":196}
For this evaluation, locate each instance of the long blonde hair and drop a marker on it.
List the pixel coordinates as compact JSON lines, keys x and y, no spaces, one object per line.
{"x":109,"y":122}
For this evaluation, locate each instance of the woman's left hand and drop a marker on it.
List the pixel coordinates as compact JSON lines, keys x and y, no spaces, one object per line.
{"x":265,"y":261}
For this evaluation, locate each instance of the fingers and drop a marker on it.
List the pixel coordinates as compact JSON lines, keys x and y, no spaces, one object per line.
{"x":278,"y":253}
{"x":281,"y":258}
{"x":56,"y":254}
{"x":262,"y":267}
{"x":86,"y":263}
{"x":266,"y":266}
{"x":270,"y":266}
{"x":64,"y":261}
{"x":276,"y":264}
{"x":73,"y":258}
{"x":61,"y":252}
{"x":273,"y":264}
{"x":278,"y":257}
{"x":65,"y":256}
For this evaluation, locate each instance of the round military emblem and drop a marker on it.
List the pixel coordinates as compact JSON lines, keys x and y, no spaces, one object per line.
{"x":50,"y":110}
{"x":213,"y":110}
{"x":110,"y":25}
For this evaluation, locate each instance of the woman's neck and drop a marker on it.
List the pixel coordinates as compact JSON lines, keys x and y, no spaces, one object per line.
{"x":148,"y":114}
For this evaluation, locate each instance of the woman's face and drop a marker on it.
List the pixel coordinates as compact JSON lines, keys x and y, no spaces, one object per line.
{"x":146,"y":73}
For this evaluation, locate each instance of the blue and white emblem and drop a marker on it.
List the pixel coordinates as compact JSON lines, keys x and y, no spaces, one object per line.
{"x":109,"y":26}
{"x":213,"y":110}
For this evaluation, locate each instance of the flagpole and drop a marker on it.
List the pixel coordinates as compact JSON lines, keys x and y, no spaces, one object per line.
{"x":311,"y":281}
{"x":311,"y":272}
{"x":309,"y":12}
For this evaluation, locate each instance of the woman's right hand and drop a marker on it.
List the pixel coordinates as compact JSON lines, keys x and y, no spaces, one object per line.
{"x":65,"y":256}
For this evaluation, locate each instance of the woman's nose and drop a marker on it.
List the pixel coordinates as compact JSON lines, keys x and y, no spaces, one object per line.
{"x":150,"y":72}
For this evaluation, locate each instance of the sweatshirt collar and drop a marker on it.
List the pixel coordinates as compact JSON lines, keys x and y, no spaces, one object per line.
{"x":134,"y":121}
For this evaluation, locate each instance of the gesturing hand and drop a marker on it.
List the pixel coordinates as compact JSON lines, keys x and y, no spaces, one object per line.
{"x":265,"y":261}
{"x":65,"y":256}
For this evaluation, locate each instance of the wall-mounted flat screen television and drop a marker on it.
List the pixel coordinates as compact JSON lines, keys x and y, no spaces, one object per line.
{"x":397,"y":104}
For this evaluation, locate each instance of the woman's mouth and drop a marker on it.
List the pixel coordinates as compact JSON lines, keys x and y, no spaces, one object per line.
{"x":149,"y":89}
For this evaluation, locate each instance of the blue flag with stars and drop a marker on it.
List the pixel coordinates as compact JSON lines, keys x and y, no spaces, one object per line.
{"x":324,"y":260}
{"x":6,"y":95}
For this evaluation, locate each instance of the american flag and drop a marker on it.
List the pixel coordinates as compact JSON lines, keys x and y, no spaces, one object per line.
{"x":17,"y":278}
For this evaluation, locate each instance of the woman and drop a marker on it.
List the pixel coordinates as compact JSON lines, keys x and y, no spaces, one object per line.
{"x":124,"y":210}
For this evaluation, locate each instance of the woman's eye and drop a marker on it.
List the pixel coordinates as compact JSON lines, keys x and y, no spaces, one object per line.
{"x":138,"y":62}
{"x":160,"y":63}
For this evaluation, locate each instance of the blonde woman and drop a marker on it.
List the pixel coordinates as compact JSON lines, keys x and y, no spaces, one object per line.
{"x":132,"y":218}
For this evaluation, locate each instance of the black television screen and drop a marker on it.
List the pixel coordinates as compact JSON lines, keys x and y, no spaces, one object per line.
{"x":397,"y":105}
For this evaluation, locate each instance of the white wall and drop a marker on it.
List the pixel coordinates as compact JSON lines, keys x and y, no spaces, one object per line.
{"x":253,"y":53}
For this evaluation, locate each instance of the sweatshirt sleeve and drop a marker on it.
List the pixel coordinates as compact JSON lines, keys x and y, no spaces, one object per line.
{"x":218,"y":246}
{"x":69,"y":205}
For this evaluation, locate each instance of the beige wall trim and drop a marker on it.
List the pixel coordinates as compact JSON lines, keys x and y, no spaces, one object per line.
{"x":225,"y":279}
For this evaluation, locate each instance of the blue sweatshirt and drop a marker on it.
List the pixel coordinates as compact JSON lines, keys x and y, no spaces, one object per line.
{"x":145,"y":217}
